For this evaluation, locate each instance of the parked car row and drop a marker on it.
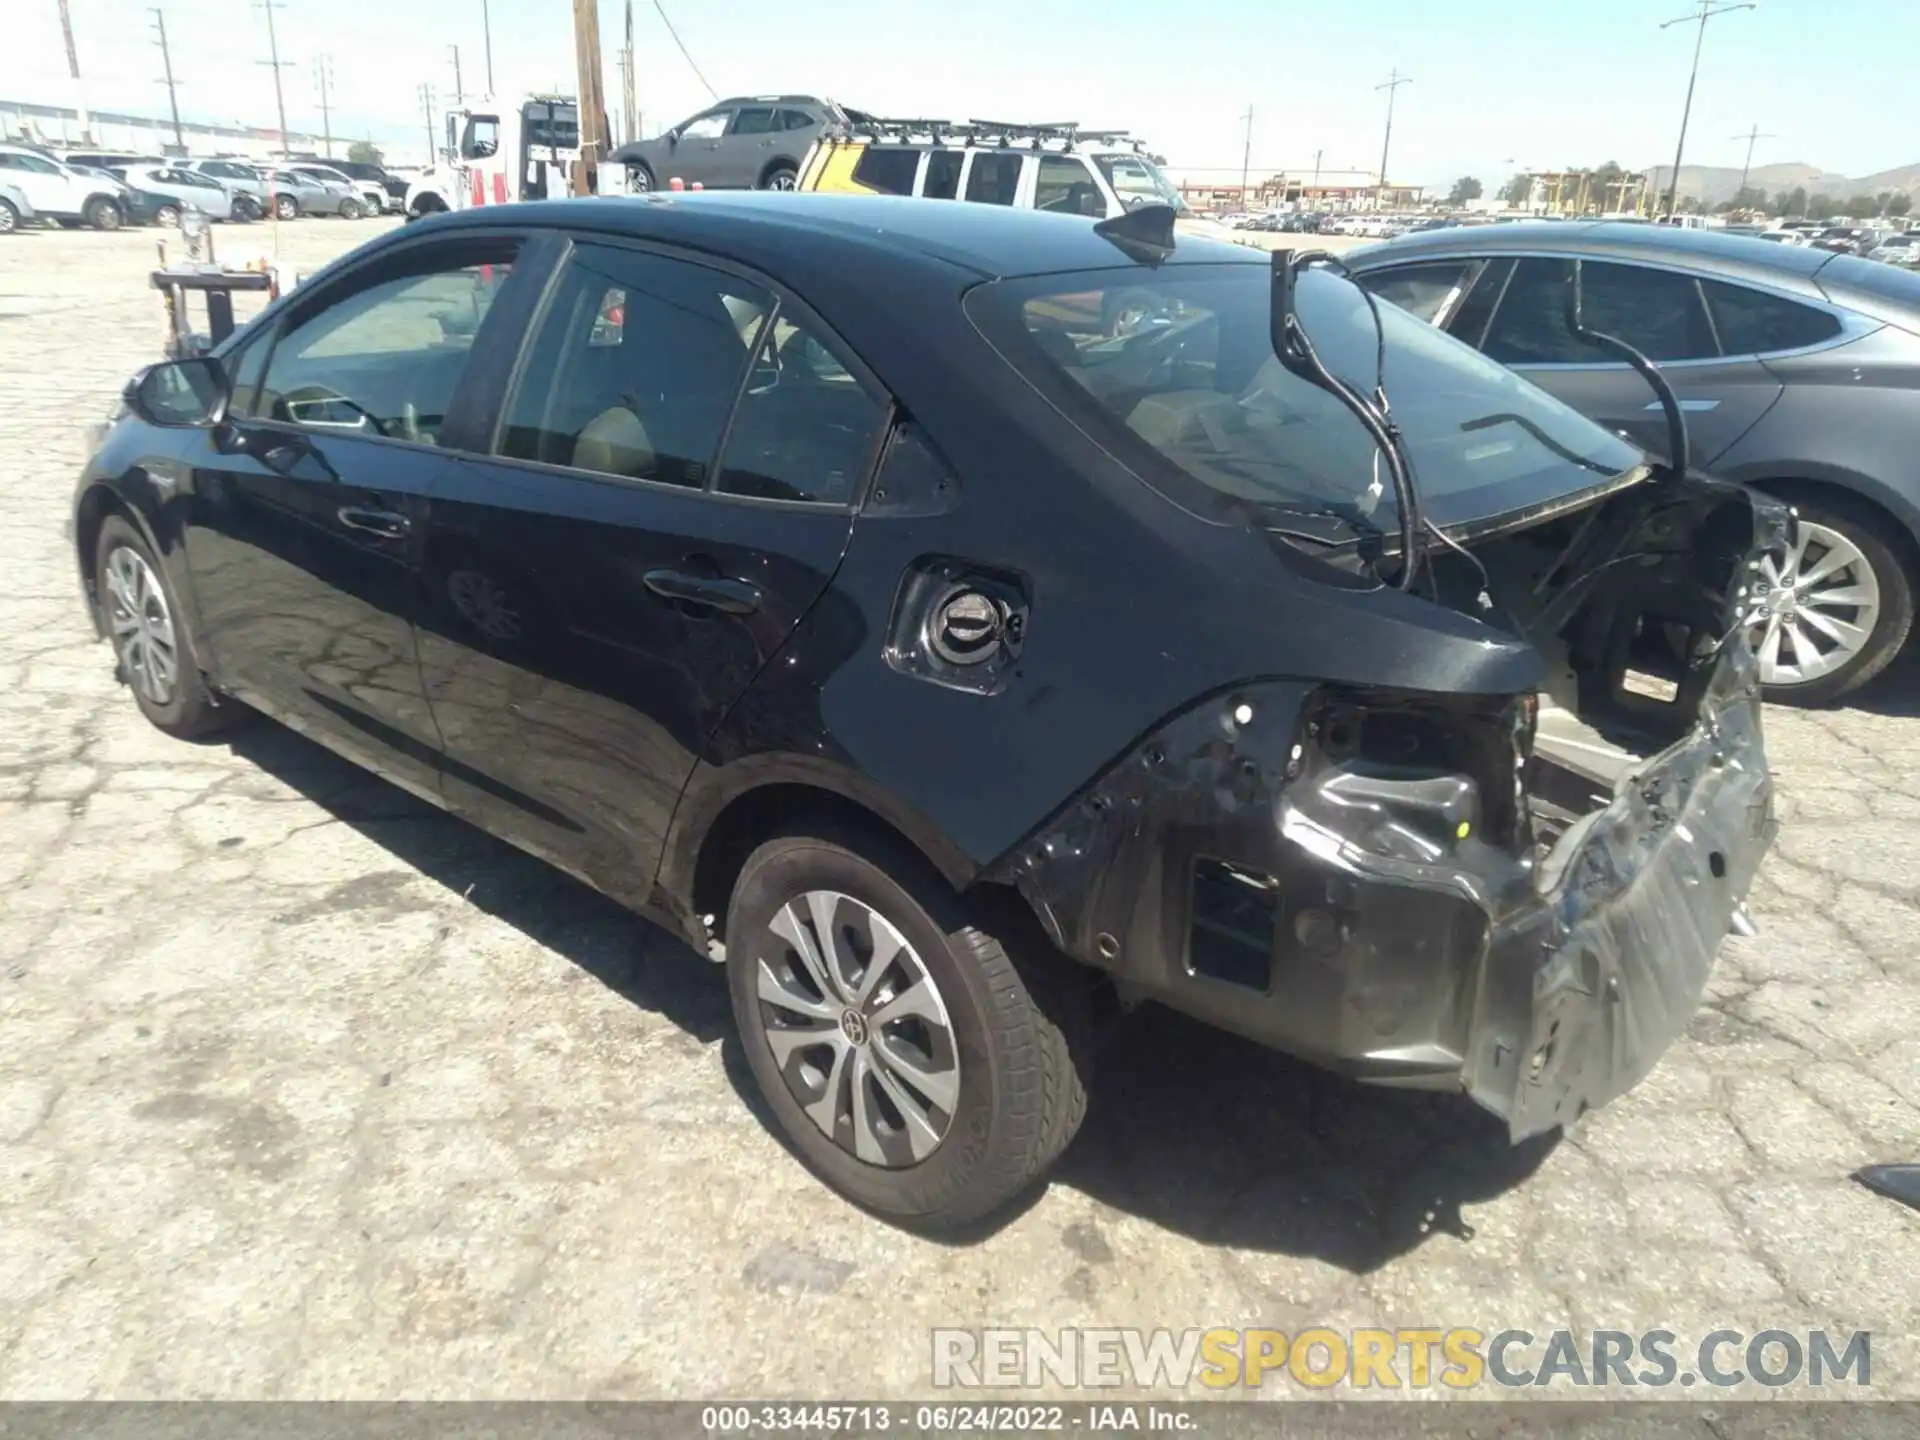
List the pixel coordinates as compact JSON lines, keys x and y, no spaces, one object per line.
{"x":107,"y":189}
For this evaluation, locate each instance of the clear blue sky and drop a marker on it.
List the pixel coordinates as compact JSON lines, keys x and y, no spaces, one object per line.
{"x":1497,"y":84}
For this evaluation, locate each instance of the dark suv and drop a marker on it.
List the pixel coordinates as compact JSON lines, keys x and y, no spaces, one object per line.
{"x":747,"y":143}
{"x":940,"y":660}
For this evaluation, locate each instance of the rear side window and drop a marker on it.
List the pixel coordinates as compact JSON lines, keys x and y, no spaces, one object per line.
{"x":1065,"y":186}
{"x":1752,"y":322}
{"x":1657,"y":312}
{"x":805,"y":428}
{"x":943,"y":174}
{"x":994,"y":178}
{"x":887,"y":170}
{"x":753,"y":120}
{"x":635,"y":367}
{"x":1421,"y":290}
{"x":793,"y":120}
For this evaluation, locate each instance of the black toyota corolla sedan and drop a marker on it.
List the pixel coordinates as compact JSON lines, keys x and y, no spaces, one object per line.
{"x":841,"y":583}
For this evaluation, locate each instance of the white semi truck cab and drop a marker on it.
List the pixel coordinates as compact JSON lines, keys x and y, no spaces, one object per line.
{"x":494,"y":154}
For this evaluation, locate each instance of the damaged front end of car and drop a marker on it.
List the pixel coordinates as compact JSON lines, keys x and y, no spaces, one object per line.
{"x":1515,"y":895}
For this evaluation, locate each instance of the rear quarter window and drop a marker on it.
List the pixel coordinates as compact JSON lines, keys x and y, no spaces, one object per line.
{"x":1752,"y":322}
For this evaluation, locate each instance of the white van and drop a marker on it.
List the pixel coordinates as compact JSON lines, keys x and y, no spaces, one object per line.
{"x":60,"y":192}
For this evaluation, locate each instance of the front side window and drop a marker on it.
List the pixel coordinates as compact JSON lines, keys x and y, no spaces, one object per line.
{"x":1189,"y":396}
{"x":1065,"y":186}
{"x":994,"y":177}
{"x":710,"y":126}
{"x":1423,"y":291}
{"x":1138,"y":181}
{"x":635,"y":367}
{"x":805,"y":427}
{"x":752,"y":120}
{"x":482,"y":137}
{"x":887,"y":170}
{"x":385,"y":359}
{"x":1752,"y":322}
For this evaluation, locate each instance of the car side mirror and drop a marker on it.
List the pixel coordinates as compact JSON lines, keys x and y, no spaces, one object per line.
{"x":673,"y":136}
{"x":180,"y":394}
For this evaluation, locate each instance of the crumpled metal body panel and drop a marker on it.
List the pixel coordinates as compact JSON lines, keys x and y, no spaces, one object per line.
{"x":1419,"y":933}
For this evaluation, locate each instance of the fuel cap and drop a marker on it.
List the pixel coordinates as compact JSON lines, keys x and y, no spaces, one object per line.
{"x":966,"y":628}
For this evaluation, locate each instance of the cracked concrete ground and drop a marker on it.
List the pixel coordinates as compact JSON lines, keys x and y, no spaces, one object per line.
{"x":308,"y":1091}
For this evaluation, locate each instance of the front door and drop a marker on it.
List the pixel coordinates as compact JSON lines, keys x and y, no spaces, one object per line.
{"x":605,"y":586}
{"x":695,"y":151}
{"x":308,"y":506}
{"x":1661,"y":313}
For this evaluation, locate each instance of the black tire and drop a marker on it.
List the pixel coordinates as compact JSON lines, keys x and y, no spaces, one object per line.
{"x":167,"y":216}
{"x":189,"y":710}
{"x":1016,"y":1019}
{"x":349,"y":209}
{"x":286,"y":207}
{"x":103,"y":214}
{"x":640,"y":178}
{"x":1874,"y":536}
{"x":781,"y":175}
{"x":9,"y":218}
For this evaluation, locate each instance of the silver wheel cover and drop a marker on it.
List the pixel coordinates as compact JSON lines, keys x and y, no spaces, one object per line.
{"x":858,"y":1029}
{"x":142,"y":625}
{"x":1814,"y":609}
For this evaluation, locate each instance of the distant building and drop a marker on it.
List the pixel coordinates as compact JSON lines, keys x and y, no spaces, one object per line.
{"x":1334,"y":191}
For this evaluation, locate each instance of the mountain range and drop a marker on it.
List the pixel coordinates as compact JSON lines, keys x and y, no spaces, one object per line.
{"x":1712,"y":184}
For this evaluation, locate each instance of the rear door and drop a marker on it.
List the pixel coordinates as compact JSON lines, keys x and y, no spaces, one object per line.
{"x":654,"y":518}
{"x":1664,"y":314}
{"x":747,"y":148}
{"x":305,"y":521}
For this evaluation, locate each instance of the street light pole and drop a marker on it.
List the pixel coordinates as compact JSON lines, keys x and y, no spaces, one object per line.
{"x":486,"y":29}
{"x":1392,"y":88}
{"x":1246,"y":154}
{"x":1708,"y":9}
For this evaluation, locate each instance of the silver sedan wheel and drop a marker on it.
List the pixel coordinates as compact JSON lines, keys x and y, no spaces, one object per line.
{"x":859,"y":1029}
{"x":142,"y":626}
{"x":1817,"y":610}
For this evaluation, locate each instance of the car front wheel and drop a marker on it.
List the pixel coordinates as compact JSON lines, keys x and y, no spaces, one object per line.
{"x":349,"y":209}
{"x":911,"y":1059}
{"x":285,"y":207}
{"x":639,"y":179}
{"x":1832,"y":610}
{"x":150,"y":639}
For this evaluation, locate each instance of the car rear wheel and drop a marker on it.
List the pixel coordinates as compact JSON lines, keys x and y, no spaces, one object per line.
{"x":1836,"y":607}
{"x":923,"y":1060}
{"x":9,"y":218}
{"x":286,"y":207}
{"x":167,"y":216}
{"x":150,"y":639}
{"x":103,"y":214}
{"x":782,"y":175}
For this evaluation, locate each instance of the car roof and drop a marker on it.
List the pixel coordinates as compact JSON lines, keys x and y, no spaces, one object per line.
{"x":1733,"y":255}
{"x":761,"y":228}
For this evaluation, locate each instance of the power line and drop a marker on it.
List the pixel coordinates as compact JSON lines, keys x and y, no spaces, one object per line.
{"x":715,"y":94}
{"x":1708,"y":9}
{"x":166,"y":60}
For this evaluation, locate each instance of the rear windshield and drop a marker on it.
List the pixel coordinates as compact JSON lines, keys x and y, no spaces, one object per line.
{"x":1173,"y":372}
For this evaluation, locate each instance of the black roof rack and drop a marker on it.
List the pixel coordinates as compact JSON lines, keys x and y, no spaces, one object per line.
{"x":997,"y":133}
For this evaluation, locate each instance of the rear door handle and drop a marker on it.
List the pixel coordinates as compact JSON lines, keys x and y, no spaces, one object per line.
{"x":389,"y":524}
{"x":733,"y":597}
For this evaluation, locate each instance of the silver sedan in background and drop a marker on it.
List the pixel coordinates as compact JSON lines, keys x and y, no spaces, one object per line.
{"x":185,"y":188}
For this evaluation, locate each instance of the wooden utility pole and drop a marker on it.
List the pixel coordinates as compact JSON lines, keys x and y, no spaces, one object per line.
{"x":459,"y":90}
{"x":274,"y":60}
{"x":1392,"y":87}
{"x":323,"y":76}
{"x":629,"y":87}
{"x":166,"y":62}
{"x":73,"y":69}
{"x":593,"y":99}
{"x":426,"y":108}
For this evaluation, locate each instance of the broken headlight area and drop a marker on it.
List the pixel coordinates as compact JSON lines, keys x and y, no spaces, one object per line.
{"x":1519,"y":896}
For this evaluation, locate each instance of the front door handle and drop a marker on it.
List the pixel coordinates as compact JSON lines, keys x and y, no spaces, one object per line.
{"x":732,"y":597}
{"x":388,"y":524}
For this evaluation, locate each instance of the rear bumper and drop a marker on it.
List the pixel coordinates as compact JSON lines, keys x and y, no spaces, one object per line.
{"x":1364,"y":924}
